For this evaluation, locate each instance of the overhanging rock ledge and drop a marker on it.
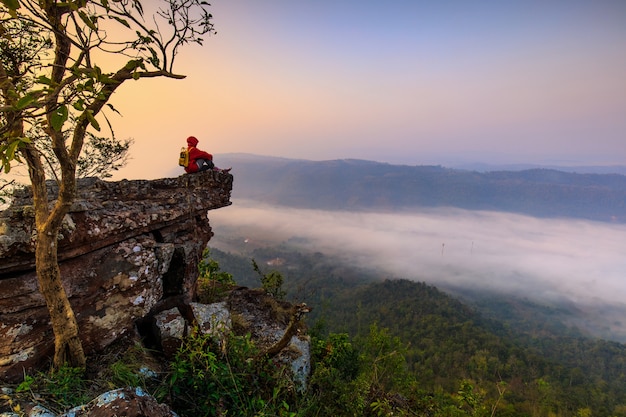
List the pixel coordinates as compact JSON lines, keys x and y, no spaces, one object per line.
{"x":127,"y":249}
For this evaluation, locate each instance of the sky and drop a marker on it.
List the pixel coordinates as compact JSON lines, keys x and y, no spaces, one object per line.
{"x":409,"y":82}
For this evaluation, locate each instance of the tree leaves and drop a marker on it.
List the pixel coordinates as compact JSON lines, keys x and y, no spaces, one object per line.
{"x":8,"y":152}
{"x":58,"y":117}
{"x":92,"y":120}
{"x":23,"y":102}
{"x":122,"y":21}
{"x":90,"y":21}
{"x":12,"y":5}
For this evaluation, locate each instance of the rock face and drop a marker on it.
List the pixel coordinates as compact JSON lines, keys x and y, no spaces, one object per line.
{"x":127,"y":249}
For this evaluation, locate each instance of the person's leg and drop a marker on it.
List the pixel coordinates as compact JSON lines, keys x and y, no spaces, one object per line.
{"x":204,"y":165}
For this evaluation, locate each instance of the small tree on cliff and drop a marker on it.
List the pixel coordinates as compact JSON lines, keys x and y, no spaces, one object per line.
{"x":100,"y":156}
{"x":50,"y":81}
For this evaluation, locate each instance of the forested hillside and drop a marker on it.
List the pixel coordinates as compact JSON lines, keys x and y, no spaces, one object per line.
{"x":476,"y":348}
{"x":366,"y":185}
{"x":525,"y":365}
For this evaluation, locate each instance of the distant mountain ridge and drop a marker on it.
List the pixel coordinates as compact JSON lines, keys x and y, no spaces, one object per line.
{"x":576,"y":169}
{"x":351,"y":184}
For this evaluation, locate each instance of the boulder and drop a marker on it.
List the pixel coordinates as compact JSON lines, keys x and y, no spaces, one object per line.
{"x":213,"y":319}
{"x":170,"y":328}
{"x":127,"y":402}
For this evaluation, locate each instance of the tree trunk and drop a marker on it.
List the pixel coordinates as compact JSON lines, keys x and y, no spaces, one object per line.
{"x":68,"y":349}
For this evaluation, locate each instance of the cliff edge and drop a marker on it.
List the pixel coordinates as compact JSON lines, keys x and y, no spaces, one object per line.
{"x":127,"y":249}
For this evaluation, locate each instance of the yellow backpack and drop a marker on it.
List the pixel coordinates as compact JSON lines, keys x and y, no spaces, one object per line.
{"x":183,"y":159}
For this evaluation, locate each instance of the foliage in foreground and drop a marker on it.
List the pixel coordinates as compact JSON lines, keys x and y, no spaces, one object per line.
{"x":206,"y":380}
{"x":350,"y":378}
{"x":207,"y":377}
{"x":372,"y":374}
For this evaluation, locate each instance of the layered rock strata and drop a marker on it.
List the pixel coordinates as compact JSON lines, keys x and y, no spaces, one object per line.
{"x":127,"y":249}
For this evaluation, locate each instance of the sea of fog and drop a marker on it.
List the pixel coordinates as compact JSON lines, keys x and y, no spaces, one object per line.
{"x":577,"y":261}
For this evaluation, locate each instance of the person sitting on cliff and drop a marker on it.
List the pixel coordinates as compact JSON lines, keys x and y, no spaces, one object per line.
{"x":199,"y":160}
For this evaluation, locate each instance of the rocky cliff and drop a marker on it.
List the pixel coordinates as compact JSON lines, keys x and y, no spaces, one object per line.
{"x":128,"y":250}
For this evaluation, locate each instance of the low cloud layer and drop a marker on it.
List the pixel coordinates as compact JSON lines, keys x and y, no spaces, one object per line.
{"x":547,"y":259}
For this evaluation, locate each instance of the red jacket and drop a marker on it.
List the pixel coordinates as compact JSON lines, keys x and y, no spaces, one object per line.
{"x":194,"y":155}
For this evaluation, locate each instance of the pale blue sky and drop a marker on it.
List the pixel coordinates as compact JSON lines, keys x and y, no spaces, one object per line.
{"x":399,"y":81}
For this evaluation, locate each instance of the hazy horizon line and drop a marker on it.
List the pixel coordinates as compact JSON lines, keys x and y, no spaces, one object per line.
{"x":562,"y":165}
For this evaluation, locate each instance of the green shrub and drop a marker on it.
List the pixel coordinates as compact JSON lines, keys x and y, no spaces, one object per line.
{"x":207,"y":379}
{"x":272,"y":282}
{"x":212,"y":283}
{"x":65,"y":387}
{"x":334,"y":388}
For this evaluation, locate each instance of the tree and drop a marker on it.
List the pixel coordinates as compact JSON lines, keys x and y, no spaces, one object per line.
{"x":50,"y":80}
{"x":99,"y":157}
{"x":5,"y":190}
